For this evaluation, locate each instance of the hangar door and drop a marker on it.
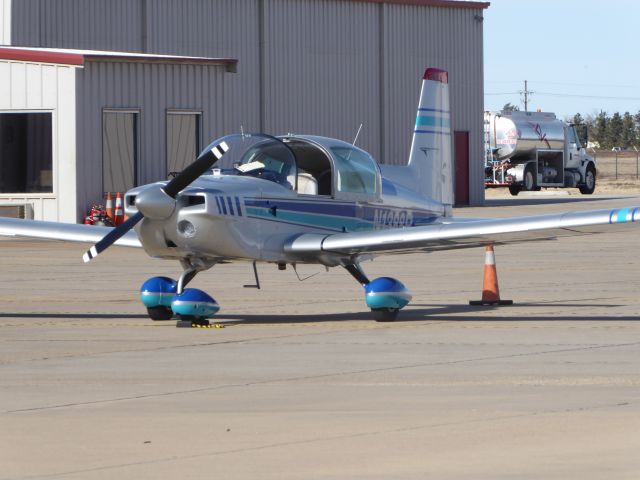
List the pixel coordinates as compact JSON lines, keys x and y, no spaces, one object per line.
{"x":119,"y":150}
{"x":183,"y":140}
{"x":461,"y":149}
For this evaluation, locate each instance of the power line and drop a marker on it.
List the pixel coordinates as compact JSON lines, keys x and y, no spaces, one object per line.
{"x":573,"y":95}
{"x":604,"y":97}
{"x":569,"y":84}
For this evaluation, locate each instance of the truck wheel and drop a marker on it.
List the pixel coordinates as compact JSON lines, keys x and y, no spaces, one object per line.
{"x":514,"y":189}
{"x":529,"y":179}
{"x":589,"y":181}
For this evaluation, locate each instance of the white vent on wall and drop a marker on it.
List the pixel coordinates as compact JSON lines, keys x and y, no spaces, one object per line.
{"x":17,"y":211}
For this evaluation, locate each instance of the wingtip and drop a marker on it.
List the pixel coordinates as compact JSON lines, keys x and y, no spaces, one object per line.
{"x":86,"y":258}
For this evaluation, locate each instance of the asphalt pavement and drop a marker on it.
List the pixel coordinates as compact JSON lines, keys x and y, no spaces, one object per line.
{"x":302,"y":384}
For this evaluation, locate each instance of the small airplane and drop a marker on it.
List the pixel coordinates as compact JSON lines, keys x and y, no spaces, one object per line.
{"x":302,"y":199}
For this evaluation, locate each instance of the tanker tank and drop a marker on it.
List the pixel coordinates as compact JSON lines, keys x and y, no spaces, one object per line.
{"x":516,"y":136}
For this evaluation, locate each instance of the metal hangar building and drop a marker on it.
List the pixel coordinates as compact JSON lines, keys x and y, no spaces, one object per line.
{"x":102,"y":95}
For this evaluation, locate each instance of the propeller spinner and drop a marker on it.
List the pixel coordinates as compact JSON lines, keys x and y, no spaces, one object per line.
{"x":159,"y":202}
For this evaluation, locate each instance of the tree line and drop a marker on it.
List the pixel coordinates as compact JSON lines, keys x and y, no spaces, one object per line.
{"x":603,"y":130}
{"x":609,"y":131}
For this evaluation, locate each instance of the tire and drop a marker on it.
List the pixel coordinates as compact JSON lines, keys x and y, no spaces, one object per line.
{"x":515,"y":189}
{"x":385,"y":314}
{"x":159,"y":313}
{"x":590,"y":181}
{"x":529,"y":179}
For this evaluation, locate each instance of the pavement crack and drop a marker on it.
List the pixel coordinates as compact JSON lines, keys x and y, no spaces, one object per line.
{"x":319,"y":376}
{"x":329,"y":438}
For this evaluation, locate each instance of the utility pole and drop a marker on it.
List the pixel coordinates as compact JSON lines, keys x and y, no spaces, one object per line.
{"x":526,"y":92}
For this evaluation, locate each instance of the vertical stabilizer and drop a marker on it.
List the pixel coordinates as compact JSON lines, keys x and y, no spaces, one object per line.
{"x":430,"y":157}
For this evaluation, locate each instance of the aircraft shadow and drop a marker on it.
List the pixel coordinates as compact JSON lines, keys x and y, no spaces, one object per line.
{"x":434,"y":312}
{"x":79,"y":316}
{"x":424,"y":312}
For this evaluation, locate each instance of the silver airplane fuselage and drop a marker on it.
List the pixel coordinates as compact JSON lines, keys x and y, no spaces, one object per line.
{"x":225,"y":216}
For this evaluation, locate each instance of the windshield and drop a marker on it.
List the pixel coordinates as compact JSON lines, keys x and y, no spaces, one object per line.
{"x":260,"y":156}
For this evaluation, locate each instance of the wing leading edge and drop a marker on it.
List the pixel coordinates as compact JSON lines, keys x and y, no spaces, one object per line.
{"x":465,"y":234}
{"x":68,"y":232}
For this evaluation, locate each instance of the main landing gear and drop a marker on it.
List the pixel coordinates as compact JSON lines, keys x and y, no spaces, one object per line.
{"x":166,"y":298}
{"x":385,"y":296}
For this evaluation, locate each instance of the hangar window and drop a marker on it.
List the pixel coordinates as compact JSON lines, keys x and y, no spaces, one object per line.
{"x":183,"y":139}
{"x":26,"y":156}
{"x":119,"y":150}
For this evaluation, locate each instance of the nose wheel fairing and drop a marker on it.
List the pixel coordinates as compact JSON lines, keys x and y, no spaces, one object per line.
{"x":166,"y":298}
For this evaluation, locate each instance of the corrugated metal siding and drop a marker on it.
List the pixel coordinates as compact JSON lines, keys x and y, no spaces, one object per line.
{"x":151,"y":89}
{"x":451,"y":39}
{"x":5,"y":22}
{"x":322,"y":69}
{"x":222,"y":28}
{"x":90,"y":24}
{"x":319,"y":66}
{"x":25,"y":23}
{"x":31,"y":86}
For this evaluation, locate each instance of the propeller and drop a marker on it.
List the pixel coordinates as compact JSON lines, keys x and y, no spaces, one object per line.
{"x":159,"y":202}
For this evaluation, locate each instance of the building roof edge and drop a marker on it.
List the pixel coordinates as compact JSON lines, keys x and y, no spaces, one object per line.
{"x":78,"y":57}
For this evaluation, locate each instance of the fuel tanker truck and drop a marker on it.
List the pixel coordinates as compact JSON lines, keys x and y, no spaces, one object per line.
{"x":531,"y":150}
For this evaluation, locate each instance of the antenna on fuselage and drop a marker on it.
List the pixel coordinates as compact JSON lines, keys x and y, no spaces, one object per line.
{"x":356,"y":137}
{"x":241,"y":130}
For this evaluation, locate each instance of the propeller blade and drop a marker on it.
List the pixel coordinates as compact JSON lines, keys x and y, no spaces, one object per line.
{"x":111,"y":237}
{"x":197,"y":168}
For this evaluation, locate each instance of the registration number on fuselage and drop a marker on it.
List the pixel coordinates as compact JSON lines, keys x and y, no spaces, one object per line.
{"x":392,"y":218}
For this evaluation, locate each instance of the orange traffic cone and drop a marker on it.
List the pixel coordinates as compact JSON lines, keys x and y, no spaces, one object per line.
{"x":109,"y":207}
{"x":119,"y":213}
{"x":490,"y":290}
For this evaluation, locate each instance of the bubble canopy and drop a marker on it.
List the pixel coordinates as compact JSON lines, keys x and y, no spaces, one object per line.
{"x":260,"y":156}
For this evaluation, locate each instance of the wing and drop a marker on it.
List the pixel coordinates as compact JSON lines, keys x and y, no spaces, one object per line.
{"x":452,"y":233}
{"x":62,"y":231}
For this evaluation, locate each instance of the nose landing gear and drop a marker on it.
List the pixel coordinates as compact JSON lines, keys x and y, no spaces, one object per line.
{"x":193,"y":306}
{"x":166,"y":298}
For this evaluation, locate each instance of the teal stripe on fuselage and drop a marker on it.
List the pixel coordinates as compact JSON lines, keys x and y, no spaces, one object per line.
{"x":330,"y":222}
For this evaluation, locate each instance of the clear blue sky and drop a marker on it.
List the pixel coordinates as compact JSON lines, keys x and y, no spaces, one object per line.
{"x":578,"y":56}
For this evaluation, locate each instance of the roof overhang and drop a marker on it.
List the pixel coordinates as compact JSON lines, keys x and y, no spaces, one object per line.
{"x":63,"y":56}
{"x":433,"y":3}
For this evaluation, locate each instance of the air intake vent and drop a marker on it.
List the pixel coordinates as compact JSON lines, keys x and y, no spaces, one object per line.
{"x":195,"y":200}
